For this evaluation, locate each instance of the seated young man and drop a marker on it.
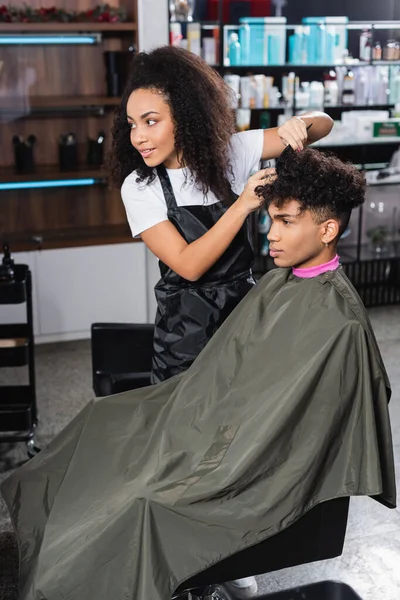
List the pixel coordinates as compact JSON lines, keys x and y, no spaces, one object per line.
{"x":285,"y":408}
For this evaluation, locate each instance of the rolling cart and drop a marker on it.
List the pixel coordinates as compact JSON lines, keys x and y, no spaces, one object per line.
{"x":18,"y":412}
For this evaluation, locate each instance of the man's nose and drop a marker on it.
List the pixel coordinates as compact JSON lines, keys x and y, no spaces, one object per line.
{"x":273,"y":234}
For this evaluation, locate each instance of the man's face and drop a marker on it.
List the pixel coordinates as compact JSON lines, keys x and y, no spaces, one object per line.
{"x":296,"y":240}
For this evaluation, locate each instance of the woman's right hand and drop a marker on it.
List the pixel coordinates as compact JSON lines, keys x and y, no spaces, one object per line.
{"x":248,"y":200}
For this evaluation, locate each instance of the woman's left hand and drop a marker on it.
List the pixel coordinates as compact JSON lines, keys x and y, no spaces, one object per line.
{"x":294,"y":133}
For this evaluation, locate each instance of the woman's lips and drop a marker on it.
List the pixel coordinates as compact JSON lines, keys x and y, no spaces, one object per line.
{"x":147,"y":153}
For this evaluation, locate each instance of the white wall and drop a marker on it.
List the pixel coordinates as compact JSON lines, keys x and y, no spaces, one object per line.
{"x":153,"y":24}
{"x":75,"y":287}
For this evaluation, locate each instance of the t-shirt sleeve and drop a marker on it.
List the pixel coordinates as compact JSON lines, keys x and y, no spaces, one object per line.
{"x":245,"y":156}
{"x":144,"y":204}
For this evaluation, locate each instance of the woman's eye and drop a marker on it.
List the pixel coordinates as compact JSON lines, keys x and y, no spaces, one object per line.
{"x":286,"y":222}
{"x":151,"y":122}
{"x":131,"y":125}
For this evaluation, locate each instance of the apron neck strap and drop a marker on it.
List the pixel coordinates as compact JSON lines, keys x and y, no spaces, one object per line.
{"x":166,"y":187}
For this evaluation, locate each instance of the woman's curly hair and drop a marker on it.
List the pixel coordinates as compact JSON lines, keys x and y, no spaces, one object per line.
{"x":319,"y":181}
{"x":199,"y":101}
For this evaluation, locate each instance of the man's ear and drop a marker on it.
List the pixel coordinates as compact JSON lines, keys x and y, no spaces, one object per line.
{"x":330,"y":231}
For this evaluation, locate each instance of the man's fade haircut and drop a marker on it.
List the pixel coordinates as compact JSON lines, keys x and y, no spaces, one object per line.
{"x":322,"y":183}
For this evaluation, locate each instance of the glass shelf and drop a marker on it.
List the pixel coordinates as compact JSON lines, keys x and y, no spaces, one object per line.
{"x":49,"y":176}
{"x":370,"y":142}
{"x":67,"y":27}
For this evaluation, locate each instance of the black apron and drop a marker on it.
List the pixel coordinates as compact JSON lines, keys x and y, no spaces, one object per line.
{"x":189,"y":313}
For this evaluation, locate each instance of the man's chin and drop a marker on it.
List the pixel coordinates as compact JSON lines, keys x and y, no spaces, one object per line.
{"x":280,"y":261}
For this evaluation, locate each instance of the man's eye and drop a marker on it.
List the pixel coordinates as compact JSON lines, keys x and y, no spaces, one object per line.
{"x":286,"y":222}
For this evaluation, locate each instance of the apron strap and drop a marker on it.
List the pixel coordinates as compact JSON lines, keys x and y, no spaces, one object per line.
{"x":166,"y":185}
{"x":169,"y":192}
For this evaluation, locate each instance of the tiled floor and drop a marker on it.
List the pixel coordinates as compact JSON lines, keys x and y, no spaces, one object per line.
{"x":370,"y":562}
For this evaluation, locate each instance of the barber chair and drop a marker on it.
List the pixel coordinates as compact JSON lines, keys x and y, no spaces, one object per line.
{"x":121,"y":360}
{"x":121,"y":356}
{"x":318,"y":535}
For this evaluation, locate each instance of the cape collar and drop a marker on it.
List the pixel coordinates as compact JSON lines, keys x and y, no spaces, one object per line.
{"x":309,"y":272}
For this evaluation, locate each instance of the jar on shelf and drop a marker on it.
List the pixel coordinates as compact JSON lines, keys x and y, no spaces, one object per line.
{"x":181,"y":10}
{"x":377,"y":51}
{"x":391,"y":50}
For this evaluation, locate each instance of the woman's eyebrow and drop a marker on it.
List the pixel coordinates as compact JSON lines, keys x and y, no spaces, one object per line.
{"x":144,"y":115}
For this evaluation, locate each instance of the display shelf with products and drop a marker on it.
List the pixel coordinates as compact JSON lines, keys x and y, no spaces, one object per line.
{"x":277,"y":70}
{"x":56,"y":111}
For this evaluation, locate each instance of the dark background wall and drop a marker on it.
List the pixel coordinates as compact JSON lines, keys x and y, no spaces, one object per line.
{"x":356,"y":10}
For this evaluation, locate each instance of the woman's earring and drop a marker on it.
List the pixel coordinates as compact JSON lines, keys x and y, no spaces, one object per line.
{"x":326,"y":244}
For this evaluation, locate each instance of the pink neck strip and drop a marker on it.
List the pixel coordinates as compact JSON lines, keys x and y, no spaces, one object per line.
{"x":309,"y":272}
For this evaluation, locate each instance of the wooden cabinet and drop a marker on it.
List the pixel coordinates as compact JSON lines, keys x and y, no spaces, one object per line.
{"x":47,"y":90}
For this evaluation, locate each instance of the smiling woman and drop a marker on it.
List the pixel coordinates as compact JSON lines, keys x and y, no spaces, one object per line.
{"x":152,"y":131}
{"x":188,"y":185}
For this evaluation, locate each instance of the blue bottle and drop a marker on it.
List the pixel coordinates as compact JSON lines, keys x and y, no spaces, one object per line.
{"x":234,"y":52}
{"x":244,"y":40}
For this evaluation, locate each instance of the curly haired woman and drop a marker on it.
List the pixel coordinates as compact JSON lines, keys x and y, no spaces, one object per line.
{"x":187,"y":191}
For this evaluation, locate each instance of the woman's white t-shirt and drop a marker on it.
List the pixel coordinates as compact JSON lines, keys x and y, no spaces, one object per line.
{"x":145,"y":204}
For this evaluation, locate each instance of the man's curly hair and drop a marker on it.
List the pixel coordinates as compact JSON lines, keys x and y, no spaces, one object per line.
{"x":320,"y":182}
{"x":199,"y":101}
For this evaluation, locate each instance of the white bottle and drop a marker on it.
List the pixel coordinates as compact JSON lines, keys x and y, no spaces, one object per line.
{"x":331,"y":92}
{"x":316,"y":94}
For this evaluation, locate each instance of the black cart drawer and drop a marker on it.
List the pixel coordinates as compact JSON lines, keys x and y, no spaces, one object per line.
{"x":15,"y":292}
{"x":15,"y":408}
{"x":13,"y":345}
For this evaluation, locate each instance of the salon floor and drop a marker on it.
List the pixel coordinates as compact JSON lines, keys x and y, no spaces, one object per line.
{"x":370,"y":562}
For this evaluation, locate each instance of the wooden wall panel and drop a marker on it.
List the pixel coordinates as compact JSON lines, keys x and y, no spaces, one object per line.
{"x":48,"y":131}
{"x":62,"y":71}
{"x":52,"y":70}
{"x":60,"y":208}
{"x":64,"y":4}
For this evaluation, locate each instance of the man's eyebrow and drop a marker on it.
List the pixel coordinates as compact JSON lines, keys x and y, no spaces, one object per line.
{"x":144,"y":115}
{"x":285,"y":216}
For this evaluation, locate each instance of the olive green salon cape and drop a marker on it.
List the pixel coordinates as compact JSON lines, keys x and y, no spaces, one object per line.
{"x":285,"y":408}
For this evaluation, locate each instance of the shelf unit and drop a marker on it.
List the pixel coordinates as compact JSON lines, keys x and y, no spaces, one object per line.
{"x":376,"y":277}
{"x":18,"y":411}
{"x":48,"y":91}
{"x":54,"y":27}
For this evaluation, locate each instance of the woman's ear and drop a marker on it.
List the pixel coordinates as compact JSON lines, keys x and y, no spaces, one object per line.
{"x":330,"y":231}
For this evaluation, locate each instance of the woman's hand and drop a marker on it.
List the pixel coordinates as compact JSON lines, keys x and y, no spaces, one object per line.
{"x":248,"y":200}
{"x":294,"y":133}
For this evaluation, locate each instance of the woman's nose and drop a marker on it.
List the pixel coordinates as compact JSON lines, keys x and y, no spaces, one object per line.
{"x":139,"y":135}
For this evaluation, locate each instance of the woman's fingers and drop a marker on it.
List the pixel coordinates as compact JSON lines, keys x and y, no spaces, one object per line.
{"x":289,"y":139}
{"x":293,"y":133}
{"x":260,"y":176}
